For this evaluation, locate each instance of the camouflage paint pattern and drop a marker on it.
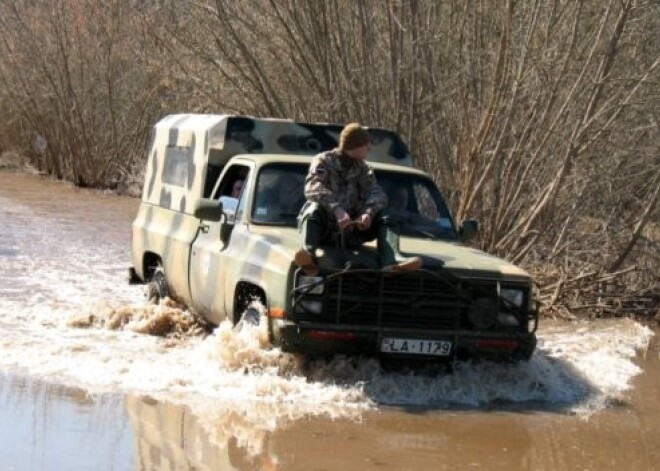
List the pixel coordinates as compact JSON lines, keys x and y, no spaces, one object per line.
{"x":258,"y":255}
{"x":158,"y":434}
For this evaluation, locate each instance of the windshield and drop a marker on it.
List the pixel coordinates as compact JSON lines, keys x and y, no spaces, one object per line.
{"x":414,"y":201}
{"x":417,"y":206}
{"x":280,"y":193}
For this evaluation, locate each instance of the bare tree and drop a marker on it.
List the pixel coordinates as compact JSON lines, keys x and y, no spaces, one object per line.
{"x":73,"y":75}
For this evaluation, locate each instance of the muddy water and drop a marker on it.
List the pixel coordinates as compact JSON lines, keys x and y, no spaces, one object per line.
{"x":84,"y":386}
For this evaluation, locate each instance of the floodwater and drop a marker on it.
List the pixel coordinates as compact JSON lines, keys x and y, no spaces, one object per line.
{"x":85,"y":383}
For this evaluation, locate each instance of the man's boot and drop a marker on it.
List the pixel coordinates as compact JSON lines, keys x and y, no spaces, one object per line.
{"x":305,"y":260}
{"x":388,"y":250}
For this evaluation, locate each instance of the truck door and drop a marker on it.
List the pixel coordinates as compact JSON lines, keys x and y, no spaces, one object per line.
{"x":207,"y":258}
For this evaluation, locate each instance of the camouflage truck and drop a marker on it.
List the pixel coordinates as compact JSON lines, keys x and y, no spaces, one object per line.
{"x":217,"y":253}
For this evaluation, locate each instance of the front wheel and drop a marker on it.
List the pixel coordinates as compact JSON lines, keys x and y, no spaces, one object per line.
{"x":157,"y":289}
{"x":252,"y":317}
{"x":254,"y":320}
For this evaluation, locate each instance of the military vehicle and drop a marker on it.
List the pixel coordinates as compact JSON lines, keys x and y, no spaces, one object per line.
{"x":217,"y":253}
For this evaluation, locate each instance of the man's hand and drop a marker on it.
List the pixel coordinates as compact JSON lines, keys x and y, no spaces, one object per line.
{"x":364,"y":221}
{"x":343,"y":219}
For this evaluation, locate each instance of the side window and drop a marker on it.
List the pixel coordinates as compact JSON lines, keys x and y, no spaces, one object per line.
{"x":233,"y":184}
{"x":175,"y":170}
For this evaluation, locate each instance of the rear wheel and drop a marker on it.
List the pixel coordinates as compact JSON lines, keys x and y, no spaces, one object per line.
{"x":157,"y":289}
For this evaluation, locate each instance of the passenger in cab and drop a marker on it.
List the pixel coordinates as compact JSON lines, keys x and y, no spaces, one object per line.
{"x":237,"y":188}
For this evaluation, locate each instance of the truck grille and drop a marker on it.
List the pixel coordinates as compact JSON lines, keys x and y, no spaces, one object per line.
{"x":415,"y":300}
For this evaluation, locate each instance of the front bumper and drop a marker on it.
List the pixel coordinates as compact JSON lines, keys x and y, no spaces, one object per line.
{"x":352,"y":311}
{"x":324,"y":339}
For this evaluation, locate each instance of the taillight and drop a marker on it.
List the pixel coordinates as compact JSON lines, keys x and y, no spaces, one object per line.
{"x":330,"y":335}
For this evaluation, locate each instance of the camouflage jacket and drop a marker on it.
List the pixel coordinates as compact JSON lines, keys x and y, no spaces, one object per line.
{"x":353,"y":187}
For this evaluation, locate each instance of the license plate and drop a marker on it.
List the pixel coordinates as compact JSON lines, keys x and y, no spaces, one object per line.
{"x":415,"y":346}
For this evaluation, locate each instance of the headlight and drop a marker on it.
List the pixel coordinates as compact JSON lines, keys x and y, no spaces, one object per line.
{"x":315,"y":307}
{"x":311,"y":284}
{"x":507,"y":319}
{"x":513,"y":295}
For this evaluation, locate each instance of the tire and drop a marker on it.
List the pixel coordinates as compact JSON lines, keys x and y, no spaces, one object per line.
{"x":250,"y":316}
{"x":157,"y":289}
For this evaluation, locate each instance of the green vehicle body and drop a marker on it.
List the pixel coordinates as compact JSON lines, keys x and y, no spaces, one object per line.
{"x":217,"y":254}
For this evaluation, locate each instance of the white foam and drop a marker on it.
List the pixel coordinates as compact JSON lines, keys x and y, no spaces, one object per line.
{"x":580,"y":369}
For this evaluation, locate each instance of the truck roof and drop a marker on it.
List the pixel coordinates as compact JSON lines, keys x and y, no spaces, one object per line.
{"x":225,"y":136}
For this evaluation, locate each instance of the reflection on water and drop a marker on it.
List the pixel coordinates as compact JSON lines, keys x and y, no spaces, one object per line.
{"x":215,"y":436}
{"x":222,"y":401}
{"x":47,"y":427}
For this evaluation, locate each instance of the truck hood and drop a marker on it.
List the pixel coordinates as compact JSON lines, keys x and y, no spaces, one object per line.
{"x":458,"y":257}
{"x":453,"y":256}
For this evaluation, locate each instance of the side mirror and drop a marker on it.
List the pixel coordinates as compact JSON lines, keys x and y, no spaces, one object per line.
{"x":229,"y":206}
{"x":212,"y":210}
{"x":208,"y":210}
{"x":469,"y":229}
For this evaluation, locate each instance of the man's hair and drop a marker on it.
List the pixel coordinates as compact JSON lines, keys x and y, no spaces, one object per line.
{"x":353,"y":136}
